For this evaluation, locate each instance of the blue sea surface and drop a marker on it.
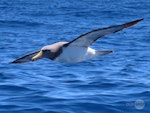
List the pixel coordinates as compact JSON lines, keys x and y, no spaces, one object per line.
{"x":116,"y":83}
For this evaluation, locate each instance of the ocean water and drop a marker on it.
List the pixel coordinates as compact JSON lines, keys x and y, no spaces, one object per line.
{"x":116,"y":83}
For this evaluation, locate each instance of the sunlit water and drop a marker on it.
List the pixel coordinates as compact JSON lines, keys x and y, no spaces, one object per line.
{"x":116,"y":83}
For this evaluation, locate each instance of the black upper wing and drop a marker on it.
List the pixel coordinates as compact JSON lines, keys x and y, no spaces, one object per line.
{"x":88,"y":38}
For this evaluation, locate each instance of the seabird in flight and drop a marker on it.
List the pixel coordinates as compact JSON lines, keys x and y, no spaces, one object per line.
{"x":77,"y":50}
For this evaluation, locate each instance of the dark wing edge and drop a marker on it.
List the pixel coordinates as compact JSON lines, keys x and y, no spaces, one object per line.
{"x":25,"y":58}
{"x":100,"y":32}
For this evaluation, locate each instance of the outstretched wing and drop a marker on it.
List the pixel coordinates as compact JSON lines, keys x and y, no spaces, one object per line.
{"x":26,"y":58}
{"x":88,"y":38}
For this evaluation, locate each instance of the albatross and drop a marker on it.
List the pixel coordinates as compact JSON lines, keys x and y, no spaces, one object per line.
{"x":77,"y":50}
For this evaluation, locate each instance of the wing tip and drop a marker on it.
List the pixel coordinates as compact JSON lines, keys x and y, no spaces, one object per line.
{"x":18,"y":62}
{"x":132,"y":23}
{"x":15,"y":62}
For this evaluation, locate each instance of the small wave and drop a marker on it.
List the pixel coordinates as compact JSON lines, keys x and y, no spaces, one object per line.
{"x":15,"y":23}
{"x":13,"y":88}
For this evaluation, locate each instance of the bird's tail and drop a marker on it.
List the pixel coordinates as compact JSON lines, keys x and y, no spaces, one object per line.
{"x":26,"y":58}
{"x":102,"y":53}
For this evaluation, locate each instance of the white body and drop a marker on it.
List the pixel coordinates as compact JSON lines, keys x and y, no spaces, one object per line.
{"x":73,"y":54}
